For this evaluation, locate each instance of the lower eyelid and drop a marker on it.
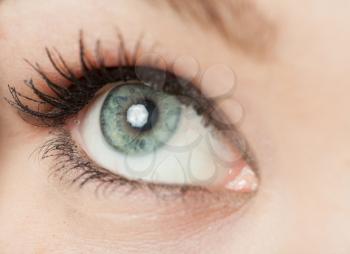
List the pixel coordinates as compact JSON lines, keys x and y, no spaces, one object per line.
{"x":190,"y":211}
{"x":70,"y":163}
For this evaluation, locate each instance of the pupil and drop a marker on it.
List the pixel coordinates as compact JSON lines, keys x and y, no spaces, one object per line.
{"x":143,"y":115}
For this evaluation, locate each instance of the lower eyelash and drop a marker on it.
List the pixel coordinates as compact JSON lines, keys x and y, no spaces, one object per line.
{"x":73,"y":167}
{"x":69,"y":160}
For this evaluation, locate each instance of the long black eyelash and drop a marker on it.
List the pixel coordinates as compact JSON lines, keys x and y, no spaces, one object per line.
{"x":68,"y":101}
{"x":53,"y":109}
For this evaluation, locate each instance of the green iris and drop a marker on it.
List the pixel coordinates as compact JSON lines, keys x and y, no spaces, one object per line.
{"x":136,"y":119}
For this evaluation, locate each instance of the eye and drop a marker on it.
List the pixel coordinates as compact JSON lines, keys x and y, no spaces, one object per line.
{"x":136,"y":124}
{"x":156,"y":133}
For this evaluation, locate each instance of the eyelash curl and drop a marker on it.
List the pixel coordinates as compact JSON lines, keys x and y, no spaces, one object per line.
{"x":62,"y":103}
{"x":68,"y":101}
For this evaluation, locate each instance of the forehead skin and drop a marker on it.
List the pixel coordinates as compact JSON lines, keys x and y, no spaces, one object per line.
{"x":296,"y":119}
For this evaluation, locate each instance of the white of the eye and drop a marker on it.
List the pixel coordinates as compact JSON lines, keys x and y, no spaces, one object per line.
{"x":137,"y":115}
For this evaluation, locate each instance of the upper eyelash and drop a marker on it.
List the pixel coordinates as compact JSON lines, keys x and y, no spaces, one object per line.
{"x":95,"y":75}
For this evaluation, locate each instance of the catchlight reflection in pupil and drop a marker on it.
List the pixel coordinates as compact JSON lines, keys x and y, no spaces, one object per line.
{"x":142,"y":116}
{"x":136,"y":119}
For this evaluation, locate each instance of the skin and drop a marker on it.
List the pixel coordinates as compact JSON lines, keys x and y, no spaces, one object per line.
{"x":293,"y":88}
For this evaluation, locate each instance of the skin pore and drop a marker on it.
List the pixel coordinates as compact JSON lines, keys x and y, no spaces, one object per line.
{"x":290,"y":61}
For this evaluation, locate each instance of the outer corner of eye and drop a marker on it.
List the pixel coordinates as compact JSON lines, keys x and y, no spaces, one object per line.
{"x":140,"y":133}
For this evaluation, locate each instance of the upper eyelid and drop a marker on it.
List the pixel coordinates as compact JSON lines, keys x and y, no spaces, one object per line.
{"x":88,"y":64}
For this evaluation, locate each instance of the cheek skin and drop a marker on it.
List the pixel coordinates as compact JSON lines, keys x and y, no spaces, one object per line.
{"x":143,"y":217}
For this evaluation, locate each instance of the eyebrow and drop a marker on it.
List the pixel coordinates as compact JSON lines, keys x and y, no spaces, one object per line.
{"x":239,"y":22}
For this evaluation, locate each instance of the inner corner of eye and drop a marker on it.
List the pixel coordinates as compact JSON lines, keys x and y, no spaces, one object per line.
{"x":141,"y":133}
